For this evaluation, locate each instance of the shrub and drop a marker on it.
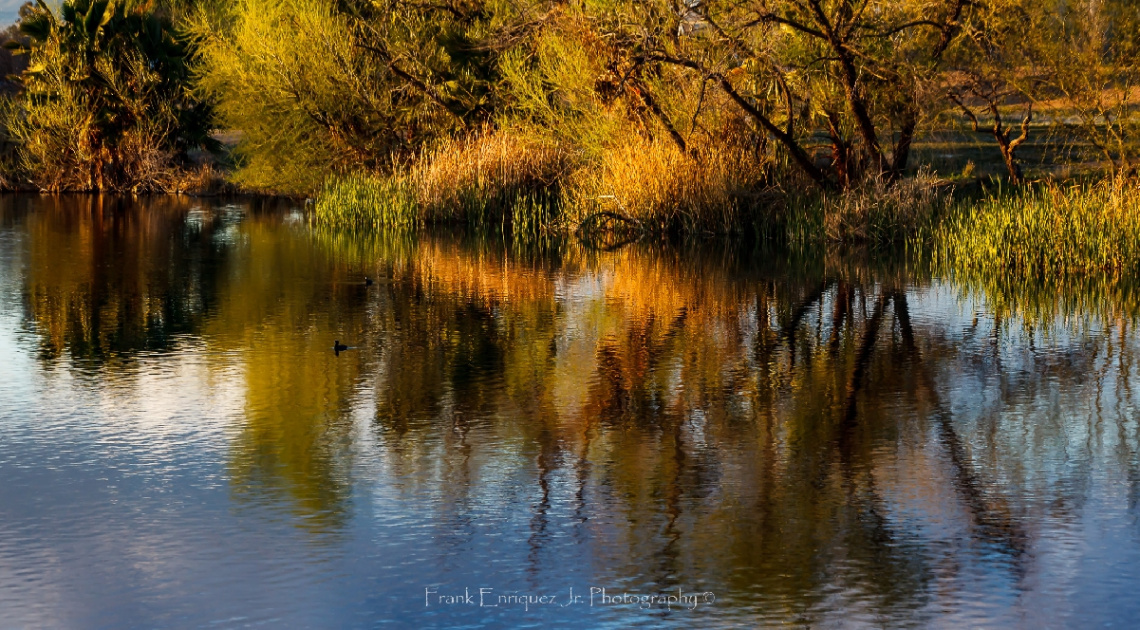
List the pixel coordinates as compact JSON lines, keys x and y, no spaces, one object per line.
{"x":876,"y":212}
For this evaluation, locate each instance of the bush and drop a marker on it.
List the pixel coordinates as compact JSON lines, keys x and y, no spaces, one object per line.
{"x":876,"y":212}
{"x":709,"y":188}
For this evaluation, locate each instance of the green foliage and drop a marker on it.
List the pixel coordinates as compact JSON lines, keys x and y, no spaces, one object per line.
{"x":1048,"y":251}
{"x":549,"y":85}
{"x":107,"y":98}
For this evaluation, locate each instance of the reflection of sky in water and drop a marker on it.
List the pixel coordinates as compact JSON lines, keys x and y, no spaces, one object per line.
{"x":194,"y":454}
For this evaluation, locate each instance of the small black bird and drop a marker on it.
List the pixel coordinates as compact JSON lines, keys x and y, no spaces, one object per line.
{"x":367,"y":281}
{"x":338,"y":347}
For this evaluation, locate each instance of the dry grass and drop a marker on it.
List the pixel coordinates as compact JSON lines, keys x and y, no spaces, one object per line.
{"x":484,"y":176}
{"x":875,"y":212}
{"x":201,"y":179}
{"x":493,"y":179}
{"x":654,"y":182}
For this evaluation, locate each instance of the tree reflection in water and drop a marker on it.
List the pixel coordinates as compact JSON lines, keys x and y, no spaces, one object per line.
{"x":780,"y":427}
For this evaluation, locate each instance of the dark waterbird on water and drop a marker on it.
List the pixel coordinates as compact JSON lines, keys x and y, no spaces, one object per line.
{"x":338,"y":347}
{"x":367,"y":282}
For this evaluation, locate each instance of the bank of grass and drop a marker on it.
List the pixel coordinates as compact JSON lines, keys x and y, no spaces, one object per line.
{"x":1051,"y":230}
{"x":1048,"y":251}
{"x":513,"y":182}
{"x":637,"y":187}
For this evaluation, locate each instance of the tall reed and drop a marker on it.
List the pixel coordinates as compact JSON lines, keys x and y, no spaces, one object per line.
{"x":1050,"y":230}
{"x":492,"y":180}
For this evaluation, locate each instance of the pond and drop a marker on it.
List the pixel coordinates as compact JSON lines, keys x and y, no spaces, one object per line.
{"x":544,"y":434}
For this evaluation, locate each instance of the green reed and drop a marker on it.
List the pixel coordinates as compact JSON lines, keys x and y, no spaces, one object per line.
{"x":367,"y":203}
{"x":1048,"y":251}
{"x":363,"y":202}
{"x":1049,"y":229}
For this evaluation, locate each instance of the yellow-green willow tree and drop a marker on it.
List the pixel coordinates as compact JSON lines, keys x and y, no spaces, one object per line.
{"x":1090,"y":52}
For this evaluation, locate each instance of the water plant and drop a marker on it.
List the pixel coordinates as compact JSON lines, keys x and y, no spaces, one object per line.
{"x":366,"y":202}
{"x":493,"y":180}
{"x":1049,"y":230}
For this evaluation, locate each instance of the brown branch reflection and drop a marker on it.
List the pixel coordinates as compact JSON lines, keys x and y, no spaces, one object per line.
{"x":676,"y":412}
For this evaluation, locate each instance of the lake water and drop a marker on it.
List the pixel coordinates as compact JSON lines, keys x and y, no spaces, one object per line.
{"x":701,"y":435}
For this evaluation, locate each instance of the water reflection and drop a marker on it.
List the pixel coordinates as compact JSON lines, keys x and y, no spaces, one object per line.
{"x":819,"y":441}
{"x":107,"y":282}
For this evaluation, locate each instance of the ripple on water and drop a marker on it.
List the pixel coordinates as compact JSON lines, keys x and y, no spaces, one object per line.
{"x":180,"y":446}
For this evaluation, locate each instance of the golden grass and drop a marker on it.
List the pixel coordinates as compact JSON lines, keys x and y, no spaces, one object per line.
{"x":490,"y":179}
{"x":468,"y":178}
{"x":710,"y":188}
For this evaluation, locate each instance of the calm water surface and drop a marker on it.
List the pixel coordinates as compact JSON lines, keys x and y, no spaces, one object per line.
{"x":810,"y":441}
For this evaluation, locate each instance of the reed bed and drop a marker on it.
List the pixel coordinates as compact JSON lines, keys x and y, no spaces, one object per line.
{"x":366,"y":202}
{"x":488,"y":177}
{"x":1048,"y":230}
{"x":507,"y":181}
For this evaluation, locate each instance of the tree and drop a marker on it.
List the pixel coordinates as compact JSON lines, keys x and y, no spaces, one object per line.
{"x":992,"y":67}
{"x":107,"y":100}
{"x":1091,"y":51}
{"x":857,"y":72}
{"x":319,"y":87}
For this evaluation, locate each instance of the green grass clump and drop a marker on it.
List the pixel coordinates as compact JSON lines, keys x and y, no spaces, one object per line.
{"x":364,"y":202}
{"x":1047,"y":231}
